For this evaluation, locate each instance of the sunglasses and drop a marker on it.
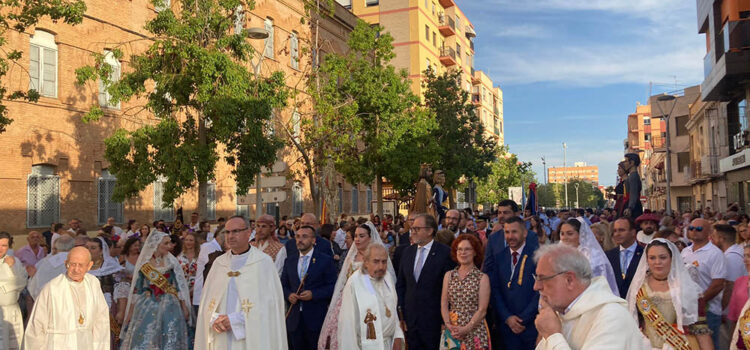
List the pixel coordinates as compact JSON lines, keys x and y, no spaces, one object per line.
{"x":695,"y":228}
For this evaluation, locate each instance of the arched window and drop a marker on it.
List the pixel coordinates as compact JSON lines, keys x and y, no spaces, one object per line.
{"x":369,"y":199}
{"x":162,"y":211}
{"x":43,"y":197}
{"x":294,"y":50}
{"x":104,"y":96}
{"x":107,"y":207}
{"x":43,"y":63}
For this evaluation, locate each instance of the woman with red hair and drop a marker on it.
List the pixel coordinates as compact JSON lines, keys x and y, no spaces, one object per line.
{"x":466,"y":294}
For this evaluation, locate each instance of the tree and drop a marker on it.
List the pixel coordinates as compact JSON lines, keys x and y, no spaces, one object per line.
{"x":464,"y":149}
{"x":553,"y":195}
{"x":506,"y":171}
{"x":19,"y":15}
{"x":370,"y":124}
{"x":205,"y":97}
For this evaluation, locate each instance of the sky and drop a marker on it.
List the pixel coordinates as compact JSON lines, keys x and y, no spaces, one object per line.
{"x":572,"y":70}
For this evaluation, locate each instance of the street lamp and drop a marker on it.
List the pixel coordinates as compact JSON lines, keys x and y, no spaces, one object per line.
{"x":665,"y":98}
{"x":565,"y":172}
{"x":544,"y":164}
{"x":257,"y":33}
{"x":577,"y":205}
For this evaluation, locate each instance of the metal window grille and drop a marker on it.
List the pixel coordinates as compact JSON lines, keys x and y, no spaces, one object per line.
{"x":341,"y":199}
{"x":268,"y":50}
{"x":239,"y":20}
{"x":297,"y":201}
{"x":355,"y":199}
{"x":210,"y":212}
{"x":43,"y":201}
{"x":107,"y":207}
{"x":369,"y":199}
{"x":162,"y":211}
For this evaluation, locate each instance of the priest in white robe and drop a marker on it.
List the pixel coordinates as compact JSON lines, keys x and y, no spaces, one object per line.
{"x":368,"y":319}
{"x":12,"y":281}
{"x":242,"y":303}
{"x":51,"y":266}
{"x":70,"y":312}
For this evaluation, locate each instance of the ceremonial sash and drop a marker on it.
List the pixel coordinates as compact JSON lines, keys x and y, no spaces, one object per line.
{"x":744,"y":328}
{"x":655,"y":319}
{"x":155,"y":277}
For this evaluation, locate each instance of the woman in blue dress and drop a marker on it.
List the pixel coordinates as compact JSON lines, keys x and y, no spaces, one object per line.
{"x":157,"y":311}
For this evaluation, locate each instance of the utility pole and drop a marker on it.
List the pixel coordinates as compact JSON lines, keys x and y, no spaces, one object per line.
{"x":544,"y":164}
{"x":565,"y":172}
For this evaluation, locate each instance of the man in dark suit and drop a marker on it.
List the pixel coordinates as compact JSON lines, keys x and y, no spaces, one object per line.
{"x":513,"y":296}
{"x":496,"y":242}
{"x":322,"y":245}
{"x":420,"y":283}
{"x":625,"y":257}
{"x":316,"y":272}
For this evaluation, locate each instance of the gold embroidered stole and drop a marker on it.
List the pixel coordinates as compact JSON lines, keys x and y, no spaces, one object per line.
{"x":158,"y":279}
{"x":744,"y":328}
{"x":655,"y":319}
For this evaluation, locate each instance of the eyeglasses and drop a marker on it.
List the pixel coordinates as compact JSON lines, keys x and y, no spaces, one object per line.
{"x":418,"y":228}
{"x":545,"y":278}
{"x":231,"y":232}
{"x":695,"y":228}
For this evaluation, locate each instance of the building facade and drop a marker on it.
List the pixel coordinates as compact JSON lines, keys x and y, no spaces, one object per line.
{"x":54,"y":165}
{"x":489,"y":103}
{"x":579,"y":170}
{"x":708,"y":143}
{"x":726,"y":25}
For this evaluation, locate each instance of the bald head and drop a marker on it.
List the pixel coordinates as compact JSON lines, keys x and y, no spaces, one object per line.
{"x":699,"y":231}
{"x":78,"y":263}
{"x":309,"y":219}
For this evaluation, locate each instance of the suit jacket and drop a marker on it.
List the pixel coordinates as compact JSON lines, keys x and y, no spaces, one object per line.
{"x":321,"y":244}
{"x":210,"y":262}
{"x":508,"y":297}
{"x":420,"y":300}
{"x":320,"y":280}
{"x":496,"y":244}
{"x":614,"y":259}
{"x":398,"y":253}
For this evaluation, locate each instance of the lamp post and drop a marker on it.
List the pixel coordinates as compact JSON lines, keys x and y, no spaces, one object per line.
{"x":544,"y":164}
{"x":577,"y":205}
{"x":565,"y":172}
{"x":257,"y":33}
{"x":660,"y":99}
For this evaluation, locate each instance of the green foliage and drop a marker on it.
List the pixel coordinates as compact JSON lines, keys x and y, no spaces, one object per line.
{"x":553,"y":195}
{"x":464,"y":149}
{"x":368,"y":119}
{"x":204,"y":96}
{"x":505,"y":171}
{"x":18,"y":15}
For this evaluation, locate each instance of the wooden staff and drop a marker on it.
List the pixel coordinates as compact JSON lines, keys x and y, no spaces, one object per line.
{"x":301,"y":284}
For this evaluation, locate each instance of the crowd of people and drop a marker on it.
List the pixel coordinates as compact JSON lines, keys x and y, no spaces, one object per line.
{"x":578,"y":279}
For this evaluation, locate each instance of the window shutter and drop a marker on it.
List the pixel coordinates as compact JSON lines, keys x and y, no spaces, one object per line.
{"x":355,"y":200}
{"x":294,"y":42}
{"x":268,"y":52}
{"x":49,"y":73}
{"x":102,"y":201}
{"x":239,"y":20}
{"x":211,"y":201}
{"x":34,"y":68}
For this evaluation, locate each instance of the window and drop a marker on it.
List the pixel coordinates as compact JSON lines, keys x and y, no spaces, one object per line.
{"x":371,"y":2}
{"x":294,"y":49}
{"x":433,"y":8}
{"x":742,"y":113}
{"x":107,"y":207}
{"x":647,"y":137}
{"x":271,"y":209}
{"x":368,"y":196}
{"x":434,"y":39}
{"x":681,"y":125}
{"x":426,"y":4}
{"x":239,"y":20}
{"x":105,"y":98}
{"x":162,"y":210}
{"x":683,"y":161}
{"x":296,"y":127}
{"x":43,"y":64}
{"x":458,"y":51}
{"x":428,"y":63}
{"x":268,"y":51}
{"x":355,"y":200}
{"x":243,"y":210}
{"x":43,"y":197}
{"x":210,"y":212}
{"x":426,"y":32}
{"x":297,"y":201}
{"x":646,"y":120}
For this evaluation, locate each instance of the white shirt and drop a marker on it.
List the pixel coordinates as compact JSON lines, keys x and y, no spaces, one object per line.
{"x":117,"y":231}
{"x":426,"y":252}
{"x":301,"y":268}
{"x":710,"y":264}
{"x":628,"y":257}
{"x":734,"y":256}
{"x":206,"y":249}
{"x":512,"y":266}
{"x":340,"y":238}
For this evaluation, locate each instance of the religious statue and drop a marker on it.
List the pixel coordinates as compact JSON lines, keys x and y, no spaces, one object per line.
{"x":439,"y":196}
{"x":422,"y":201}
{"x":369,"y":319}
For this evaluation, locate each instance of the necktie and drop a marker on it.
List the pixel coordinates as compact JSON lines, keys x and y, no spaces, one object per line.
{"x":515,"y":259}
{"x":420,"y":262}
{"x":303,"y":271}
{"x":624,"y":262}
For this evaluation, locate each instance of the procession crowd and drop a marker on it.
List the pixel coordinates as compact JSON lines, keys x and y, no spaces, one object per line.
{"x":578,"y":279}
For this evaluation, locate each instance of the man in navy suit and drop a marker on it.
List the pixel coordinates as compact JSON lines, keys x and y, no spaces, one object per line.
{"x":513,"y":296}
{"x":310,"y":304}
{"x":625,"y":257}
{"x":506,"y":210}
{"x":321,"y":244}
{"x":420,"y":283}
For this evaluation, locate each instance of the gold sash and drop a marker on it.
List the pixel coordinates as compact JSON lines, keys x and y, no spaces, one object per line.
{"x":655,"y":319}
{"x":744,"y":327}
{"x":158,"y":279}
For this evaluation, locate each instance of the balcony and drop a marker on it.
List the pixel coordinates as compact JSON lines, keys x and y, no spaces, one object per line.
{"x":496,"y":110}
{"x":727,"y":65}
{"x":471,"y":45}
{"x":475,"y":99}
{"x":657,"y":143}
{"x":448,"y":56}
{"x":475,"y":80}
{"x":633,"y":124}
{"x":447,"y":26}
{"x":447,"y":3}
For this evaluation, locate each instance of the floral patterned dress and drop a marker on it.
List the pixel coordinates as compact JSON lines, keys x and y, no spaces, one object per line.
{"x":463,"y":302}
{"x":190,"y":268}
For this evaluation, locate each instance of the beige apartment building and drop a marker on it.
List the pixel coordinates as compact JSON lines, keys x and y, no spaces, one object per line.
{"x":579,"y":170}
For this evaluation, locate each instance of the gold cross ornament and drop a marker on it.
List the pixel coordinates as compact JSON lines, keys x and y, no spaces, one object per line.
{"x":246,"y":306}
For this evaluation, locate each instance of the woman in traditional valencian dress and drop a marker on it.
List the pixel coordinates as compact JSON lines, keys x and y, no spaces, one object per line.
{"x":105,"y":267}
{"x":157,"y":308}
{"x":466,"y":294}
{"x":364,"y":235}
{"x":664,"y":299}
{"x":576,"y":233}
{"x":12,"y":281}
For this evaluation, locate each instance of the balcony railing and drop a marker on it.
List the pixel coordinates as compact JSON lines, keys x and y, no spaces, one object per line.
{"x":633,"y":124}
{"x":708,"y":64}
{"x":476,"y":99}
{"x":448,"y":56}
{"x":736,"y":35}
{"x":447,"y":25}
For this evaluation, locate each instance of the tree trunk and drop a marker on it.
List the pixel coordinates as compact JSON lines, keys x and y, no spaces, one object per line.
{"x":451,"y":198}
{"x":379,"y":194}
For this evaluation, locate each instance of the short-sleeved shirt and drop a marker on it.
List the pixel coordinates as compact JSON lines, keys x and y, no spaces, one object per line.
{"x":734,"y":258}
{"x":28,"y":257}
{"x":710,"y":263}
